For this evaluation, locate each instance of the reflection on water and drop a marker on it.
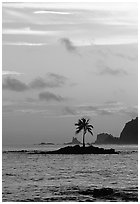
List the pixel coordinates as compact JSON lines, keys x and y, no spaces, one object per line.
{"x":28,"y":177}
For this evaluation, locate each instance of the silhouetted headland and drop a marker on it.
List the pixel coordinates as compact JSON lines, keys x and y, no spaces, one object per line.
{"x":129,"y":135}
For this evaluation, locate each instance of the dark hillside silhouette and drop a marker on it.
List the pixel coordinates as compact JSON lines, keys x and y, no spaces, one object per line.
{"x":105,"y":138}
{"x":129,"y":134}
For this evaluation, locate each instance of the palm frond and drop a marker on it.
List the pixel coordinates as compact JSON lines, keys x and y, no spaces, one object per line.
{"x":87,"y":121}
{"x":90,"y":131}
{"x":79,"y":123}
{"x":80,"y":127}
{"x":83,"y":120}
{"x":77,"y":131}
{"x":90,"y":126}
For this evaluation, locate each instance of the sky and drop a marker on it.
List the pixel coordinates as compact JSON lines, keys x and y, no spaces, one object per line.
{"x":65,"y":61}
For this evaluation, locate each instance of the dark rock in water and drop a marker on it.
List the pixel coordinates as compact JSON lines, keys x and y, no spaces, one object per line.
{"x":80,"y":150}
{"x":46,"y":143}
{"x":74,"y":141}
{"x":105,"y":138}
{"x":110,"y":194}
{"x":98,"y":192}
{"x":129,"y":134}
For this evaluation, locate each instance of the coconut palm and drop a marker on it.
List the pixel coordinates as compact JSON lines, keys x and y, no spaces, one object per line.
{"x":83,"y":124}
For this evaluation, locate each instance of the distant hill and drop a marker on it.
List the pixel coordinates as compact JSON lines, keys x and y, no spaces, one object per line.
{"x":105,"y":138}
{"x":74,"y":141}
{"x":129,"y":135}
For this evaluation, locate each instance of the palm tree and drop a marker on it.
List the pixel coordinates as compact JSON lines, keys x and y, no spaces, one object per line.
{"x":83,"y":124}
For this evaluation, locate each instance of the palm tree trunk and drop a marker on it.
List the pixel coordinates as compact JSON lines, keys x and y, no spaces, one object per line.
{"x":84,"y":139}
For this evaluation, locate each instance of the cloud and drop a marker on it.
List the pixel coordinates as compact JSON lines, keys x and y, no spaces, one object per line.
{"x":68,"y":44}
{"x":38,"y":83}
{"x":114,"y":72}
{"x":35,"y":106}
{"x":108,"y":23}
{"x":130,"y":111}
{"x":106,"y":109}
{"x":14,"y":85}
{"x":6,"y":72}
{"x":28,"y":31}
{"x":48,"y":96}
{"x":52,"y":80}
{"x":24,"y":44}
{"x":57,"y":80}
{"x":94,"y":110}
{"x":51,"y":12}
{"x":69,"y":111}
{"x":128,"y":57}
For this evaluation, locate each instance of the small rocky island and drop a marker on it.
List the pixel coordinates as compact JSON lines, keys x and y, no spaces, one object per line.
{"x":82,"y":150}
{"x":71,"y":150}
{"x":45,"y":143}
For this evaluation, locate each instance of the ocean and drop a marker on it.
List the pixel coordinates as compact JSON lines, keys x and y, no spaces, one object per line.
{"x":90,"y":178}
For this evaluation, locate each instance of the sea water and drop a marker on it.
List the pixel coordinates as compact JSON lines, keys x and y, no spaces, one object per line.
{"x":40,"y":177}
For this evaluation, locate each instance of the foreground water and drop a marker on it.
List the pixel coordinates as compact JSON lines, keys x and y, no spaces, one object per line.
{"x":40,"y":177}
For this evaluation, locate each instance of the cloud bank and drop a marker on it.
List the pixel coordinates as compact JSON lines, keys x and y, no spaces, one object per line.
{"x":51,"y":80}
{"x":13,"y":84}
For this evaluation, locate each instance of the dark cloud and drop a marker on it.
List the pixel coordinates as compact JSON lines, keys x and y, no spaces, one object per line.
{"x":51,"y":81}
{"x":68,"y":44}
{"x":104,"y":69}
{"x":38,"y":83}
{"x":14,"y":85}
{"x":48,"y":96}
{"x":56,"y":79}
{"x":114,"y":72}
